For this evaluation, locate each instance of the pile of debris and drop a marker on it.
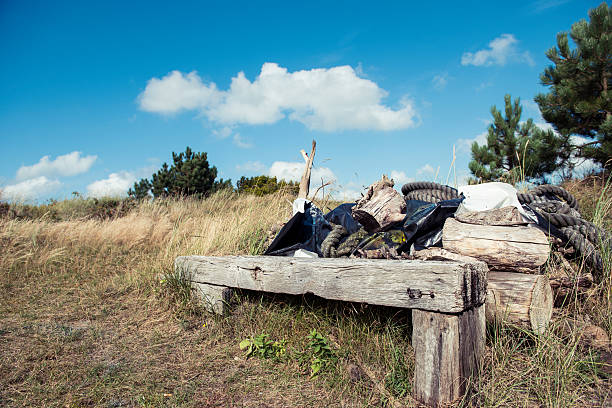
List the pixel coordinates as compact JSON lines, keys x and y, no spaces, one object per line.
{"x":511,"y":232}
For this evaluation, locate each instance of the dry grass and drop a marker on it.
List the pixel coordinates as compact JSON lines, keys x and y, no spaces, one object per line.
{"x":86,"y":320}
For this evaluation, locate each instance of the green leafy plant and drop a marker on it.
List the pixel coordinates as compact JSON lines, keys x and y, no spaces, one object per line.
{"x":321,"y":354}
{"x":260,"y":346}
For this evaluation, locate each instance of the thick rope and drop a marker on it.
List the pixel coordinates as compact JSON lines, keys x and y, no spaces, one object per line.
{"x":331,"y":241}
{"x":560,"y":208}
{"x":428,"y":191}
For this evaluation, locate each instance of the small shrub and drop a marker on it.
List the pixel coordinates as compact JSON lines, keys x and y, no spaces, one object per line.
{"x":260,"y":346}
{"x":320,"y":353}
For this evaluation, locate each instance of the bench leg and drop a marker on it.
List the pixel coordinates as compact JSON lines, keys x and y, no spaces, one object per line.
{"x":215,"y":298}
{"x":448,"y":349}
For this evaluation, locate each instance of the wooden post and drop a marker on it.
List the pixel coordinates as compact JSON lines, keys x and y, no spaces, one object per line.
{"x":448,"y":349}
{"x":215,"y":298}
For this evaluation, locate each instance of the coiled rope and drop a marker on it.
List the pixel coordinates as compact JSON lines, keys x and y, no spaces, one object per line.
{"x":333,"y":245}
{"x":428,"y":191}
{"x":560,"y":208}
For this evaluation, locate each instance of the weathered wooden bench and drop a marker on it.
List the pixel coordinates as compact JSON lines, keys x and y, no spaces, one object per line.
{"x":446,"y":298}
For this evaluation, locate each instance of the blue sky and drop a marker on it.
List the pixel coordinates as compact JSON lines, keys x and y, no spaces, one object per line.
{"x":95,"y":95}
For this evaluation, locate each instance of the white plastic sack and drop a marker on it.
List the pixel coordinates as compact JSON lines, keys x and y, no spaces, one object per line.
{"x":487,"y":196}
{"x":299,"y":205}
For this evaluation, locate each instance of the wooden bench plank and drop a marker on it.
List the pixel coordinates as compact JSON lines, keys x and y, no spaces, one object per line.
{"x":443,"y":286}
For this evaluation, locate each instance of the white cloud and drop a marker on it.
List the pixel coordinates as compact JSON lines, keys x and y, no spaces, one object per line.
{"x":346,"y":194}
{"x":440,"y":81}
{"x":240,"y":142}
{"x":115,"y":185}
{"x":426,"y":169}
{"x":292,"y":171}
{"x":465,"y":145}
{"x":501,"y":50}
{"x":176,"y":92}
{"x":29,"y":189}
{"x":328,"y":99}
{"x":400,"y":178}
{"x":252,"y":167}
{"x":69,"y":164}
{"x":222,"y":133}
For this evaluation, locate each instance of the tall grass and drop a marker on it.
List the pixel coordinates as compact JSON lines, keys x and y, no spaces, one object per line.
{"x":91,"y":314}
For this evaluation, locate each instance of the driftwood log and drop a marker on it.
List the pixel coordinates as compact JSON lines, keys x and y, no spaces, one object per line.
{"x":501,"y":247}
{"x":381,"y":207}
{"x":520,"y":299}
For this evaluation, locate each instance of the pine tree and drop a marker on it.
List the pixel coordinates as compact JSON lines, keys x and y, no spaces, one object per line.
{"x":140,"y":189}
{"x":515,"y":149}
{"x":578,"y":102}
{"x":189,"y":174}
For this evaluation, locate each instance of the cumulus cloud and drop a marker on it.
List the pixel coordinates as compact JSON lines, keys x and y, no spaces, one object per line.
{"x":426,"y":169}
{"x":115,"y":185}
{"x":502,"y":50}
{"x":292,"y":171}
{"x":29,"y":189}
{"x":464,"y":145}
{"x":69,"y":164}
{"x":176,"y":92}
{"x":400,"y":178}
{"x":327,"y":99}
{"x":223,"y":133}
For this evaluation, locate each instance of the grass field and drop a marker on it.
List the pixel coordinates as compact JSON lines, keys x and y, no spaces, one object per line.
{"x":91,"y":314}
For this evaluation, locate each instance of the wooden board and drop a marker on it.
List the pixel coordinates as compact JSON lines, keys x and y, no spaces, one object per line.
{"x":448,"y":350}
{"x":450,"y":287}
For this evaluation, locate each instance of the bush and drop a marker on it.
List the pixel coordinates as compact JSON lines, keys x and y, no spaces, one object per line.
{"x":262,"y":185}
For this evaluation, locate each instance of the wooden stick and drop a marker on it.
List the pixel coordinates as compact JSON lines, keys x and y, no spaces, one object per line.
{"x":305,"y":182}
